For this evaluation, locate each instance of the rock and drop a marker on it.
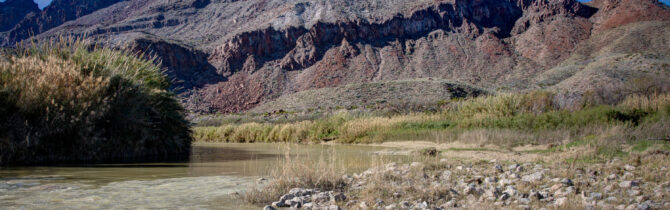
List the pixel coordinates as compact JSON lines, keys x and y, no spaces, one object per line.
{"x":392,"y":206}
{"x":446,"y":175}
{"x":561,"y":201}
{"x":404,"y":204}
{"x":322,"y":197}
{"x":634,"y":192}
{"x":643,"y":206}
{"x":537,"y":176}
{"x":629,"y":167}
{"x":504,"y":196}
{"x":567,"y":182}
{"x":628,"y":184}
{"x":296,"y":202}
{"x":363,"y":205}
{"x":338,"y":197}
{"x":628,"y":175}
{"x":449,"y":204}
{"x":279,"y":204}
{"x":513,"y":167}
{"x":261,"y":180}
{"x":596,"y":196}
{"x":300,"y":191}
{"x":469,"y":190}
{"x":421,"y":205}
{"x":453,"y":192}
{"x":286,"y":197}
{"x":490,"y":180}
{"x":505,"y":182}
{"x":308,"y":205}
{"x":641,"y":198}
{"x":492,"y":193}
{"x":268,"y":207}
{"x":416,"y":165}
{"x":556,"y":187}
{"x":498,"y":168}
{"x":611,"y":199}
{"x":612,"y":177}
{"x":333,"y":207}
{"x":524,"y":201}
{"x":511,"y":191}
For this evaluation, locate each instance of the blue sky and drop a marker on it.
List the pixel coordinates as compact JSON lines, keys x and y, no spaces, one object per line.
{"x":664,"y":1}
{"x":41,"y":3}
{"x":44,"y":3}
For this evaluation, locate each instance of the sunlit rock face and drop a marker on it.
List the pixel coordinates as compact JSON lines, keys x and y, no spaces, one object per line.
{"x":230,"y":56}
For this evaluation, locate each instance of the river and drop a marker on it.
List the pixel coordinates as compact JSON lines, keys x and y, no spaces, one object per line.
{"x":207,"y":181}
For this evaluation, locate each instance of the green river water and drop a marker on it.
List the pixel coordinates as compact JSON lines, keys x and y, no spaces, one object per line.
{"x":207,"y":181}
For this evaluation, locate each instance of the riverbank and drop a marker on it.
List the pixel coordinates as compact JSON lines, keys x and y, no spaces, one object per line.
{"x":507,"y":121}
{"x":640,"y":181}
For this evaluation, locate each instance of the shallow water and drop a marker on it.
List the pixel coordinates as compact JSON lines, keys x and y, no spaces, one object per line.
{"x":214,"y":172}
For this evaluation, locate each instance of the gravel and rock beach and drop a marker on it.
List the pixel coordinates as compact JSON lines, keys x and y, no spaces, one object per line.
{"x":494,"y":184}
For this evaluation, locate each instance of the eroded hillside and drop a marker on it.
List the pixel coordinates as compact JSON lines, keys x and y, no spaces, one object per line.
{"x":235,"y":55}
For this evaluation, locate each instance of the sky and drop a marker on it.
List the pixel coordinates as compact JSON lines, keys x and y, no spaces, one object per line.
{"x":664,"y":1}
{"x":44,"y":3}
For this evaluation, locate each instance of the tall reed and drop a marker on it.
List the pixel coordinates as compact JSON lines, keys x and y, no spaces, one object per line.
{"x":66,"y":100}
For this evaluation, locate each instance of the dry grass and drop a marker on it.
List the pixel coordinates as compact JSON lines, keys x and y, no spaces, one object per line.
{"x":324,"y":173}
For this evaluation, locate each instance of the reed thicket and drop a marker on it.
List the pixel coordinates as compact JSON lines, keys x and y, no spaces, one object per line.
{"x":504,"y":119}
{"x":68,"y":101}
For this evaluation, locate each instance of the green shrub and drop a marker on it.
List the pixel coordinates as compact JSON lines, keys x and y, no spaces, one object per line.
{"x":632,"y":116}
{"x":66,"y":101}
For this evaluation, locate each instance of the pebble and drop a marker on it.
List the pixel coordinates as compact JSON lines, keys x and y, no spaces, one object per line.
{"x":628,"y":184}
{"x":561,"y":201}
{"x":537,"y":176}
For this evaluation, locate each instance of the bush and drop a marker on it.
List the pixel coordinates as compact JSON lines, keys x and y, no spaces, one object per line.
{"x":67,"y":101}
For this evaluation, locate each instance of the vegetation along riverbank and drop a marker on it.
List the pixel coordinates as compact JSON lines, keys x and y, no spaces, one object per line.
{"x":66,"y":101}
{"x":506,"y":120}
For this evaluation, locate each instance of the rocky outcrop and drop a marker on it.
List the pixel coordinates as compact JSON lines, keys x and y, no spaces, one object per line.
{"x":615,"y":13}
{"x":186,"y":66}
{"x":13,"y":11}
{"x":299,"y":48}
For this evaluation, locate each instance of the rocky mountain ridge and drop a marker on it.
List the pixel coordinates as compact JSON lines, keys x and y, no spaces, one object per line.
{"x":13,"y":11}
{"x":232,"y":56}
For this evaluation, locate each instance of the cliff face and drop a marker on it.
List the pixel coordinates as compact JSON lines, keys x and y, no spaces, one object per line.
{"x":234,"y":55}
{"x":13,"y":11}
{"x":57,"y":13}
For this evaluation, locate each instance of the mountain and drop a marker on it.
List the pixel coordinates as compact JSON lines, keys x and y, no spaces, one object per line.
{"x":234,"y":55}
{"x":13,"y":11}
{"x":57,"y":13}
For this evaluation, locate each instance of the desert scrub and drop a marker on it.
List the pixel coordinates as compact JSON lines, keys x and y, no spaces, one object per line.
{"x":506,"y":120}
{"x":67,"y":101}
